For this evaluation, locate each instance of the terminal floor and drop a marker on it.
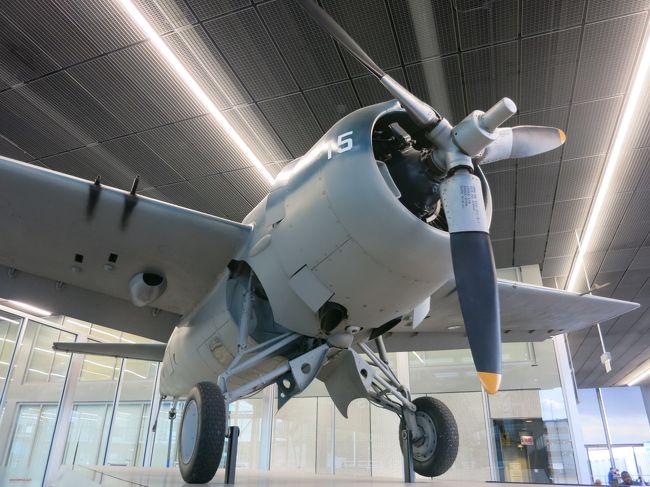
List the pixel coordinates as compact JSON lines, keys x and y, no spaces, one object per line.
{"x":170,"y":477}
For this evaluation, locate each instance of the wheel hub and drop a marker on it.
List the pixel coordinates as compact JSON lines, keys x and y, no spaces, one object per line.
{"x":426,"y":447}
{"x":189,"y":431}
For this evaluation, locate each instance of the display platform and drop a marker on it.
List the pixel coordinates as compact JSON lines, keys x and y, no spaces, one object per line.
{"x":170,"y":477}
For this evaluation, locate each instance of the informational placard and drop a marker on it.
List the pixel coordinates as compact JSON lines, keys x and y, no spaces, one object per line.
{"x":526,"y":440}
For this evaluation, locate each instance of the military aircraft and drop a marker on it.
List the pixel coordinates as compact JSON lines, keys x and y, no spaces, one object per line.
{"x":380,"y":230}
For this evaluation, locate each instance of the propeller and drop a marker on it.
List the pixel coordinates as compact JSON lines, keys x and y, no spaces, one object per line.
{"x":476,"y":139}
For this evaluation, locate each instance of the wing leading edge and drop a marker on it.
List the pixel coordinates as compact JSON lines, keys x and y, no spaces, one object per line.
{"x":528,"y":313}
{"x":73,"y":246}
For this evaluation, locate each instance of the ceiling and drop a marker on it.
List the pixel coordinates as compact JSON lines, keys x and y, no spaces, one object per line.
{"x":83,"y":92}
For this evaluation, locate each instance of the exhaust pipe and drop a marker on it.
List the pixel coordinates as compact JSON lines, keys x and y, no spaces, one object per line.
{"x":146,"y":287}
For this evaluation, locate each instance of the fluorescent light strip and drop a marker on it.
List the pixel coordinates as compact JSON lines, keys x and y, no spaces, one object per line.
{"x":612,"y":162}
{"x":639,"y":378}
{"x":191,"y":83}
{"x":30,"y":308}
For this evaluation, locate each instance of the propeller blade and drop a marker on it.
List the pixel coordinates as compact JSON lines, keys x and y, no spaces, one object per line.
{"x":530,"y":140}
{"x":522,"y":141}
{"x":420,"y":112}
{"x":475,"y":273}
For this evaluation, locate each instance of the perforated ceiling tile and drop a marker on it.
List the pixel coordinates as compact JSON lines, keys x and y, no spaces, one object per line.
{"x":638,"y":208}
{"x":250,"y":184}
{"x":490,"y":74}
{"x":60,"y":98}
{"x":483,"y":23}
{"x":332,"y":102}
{"x":591,"y":126}
{"x":205,"y":9}
{"x":308,"y":50}
{"x":202,"y":59}
{"x":600,"y":9}
{"x":537,"y":184}
{"x":87,"y":164}
{"x":502,"y":185}
{"x":256,"y":131}
{"x":425,"y":28}
{"x":245,"y":43}
{"x":548,"y":66}
{"x":629,"y":235}
{"x":608,"y":47}
{"x":556,"y":266}
{"x":503,"y":224}
{"x":579,"y":177}
{"x":529,"y":250}
{"x":293,"y":121}
{"x":617,"y":260}
{"x":591,"y":265}
{"x":540,"y":16}
{"x":9,"y":149}
{"x":31,"y":129}
{"x":53,"y":32}
{"x":532,"y":220}
{"x":561,"y":244}
{"x":138,"y":88}
{"x":166,"y":15}
{"x":502,"y":253}
{"x":557,"y":117}
{"x":632,"y":171}
{"x":20,"y":58}
{"x":181,"y":194}
{"x":369,"y":25}
{"x":439,"y":83}
{"x":222,"y":197}
{"x":570,"y":215}
{"x":195,"y":147}
{"x":371,"y":91}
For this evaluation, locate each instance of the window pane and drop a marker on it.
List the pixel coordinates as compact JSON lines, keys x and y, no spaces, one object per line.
{"x":591,"y":423}
{"x":247,"y":414}
{"x":294,"y":436}
{"x":162,"y":438}
{"x":626,"y":415}
{"x":9,"y":328}
{"x":87,"y":434}
{"x":352,"y":440}
{"x":128,"y":435}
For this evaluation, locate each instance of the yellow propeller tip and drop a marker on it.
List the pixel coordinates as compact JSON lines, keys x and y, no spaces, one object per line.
{"x":562,"y":136}
{"x":490,"y":381}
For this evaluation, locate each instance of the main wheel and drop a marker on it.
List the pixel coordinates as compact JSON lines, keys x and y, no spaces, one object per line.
{"x":202,"y":433}
{"x":436,"y":451}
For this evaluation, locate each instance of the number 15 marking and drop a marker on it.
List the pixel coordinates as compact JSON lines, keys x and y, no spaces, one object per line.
{"x":344,"y":144}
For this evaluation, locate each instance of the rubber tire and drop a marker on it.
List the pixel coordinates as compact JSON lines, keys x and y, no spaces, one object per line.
{"x":446,"y":448}
{"x":211,"y":431}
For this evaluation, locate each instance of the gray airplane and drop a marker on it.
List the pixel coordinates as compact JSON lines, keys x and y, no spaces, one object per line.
{"x":376,"y":239}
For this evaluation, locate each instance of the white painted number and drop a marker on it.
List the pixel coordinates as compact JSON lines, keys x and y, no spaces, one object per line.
{"x":344,"y":142}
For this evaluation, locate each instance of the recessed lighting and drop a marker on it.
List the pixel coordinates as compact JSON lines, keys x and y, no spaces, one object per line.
{"x":633,"y":102}
{"x":454,"y":327}
{"x":192,"y":84}
{"x":29,"y":308}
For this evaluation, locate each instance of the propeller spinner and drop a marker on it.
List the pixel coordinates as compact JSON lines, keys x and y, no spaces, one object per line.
{"x":476,"y":139}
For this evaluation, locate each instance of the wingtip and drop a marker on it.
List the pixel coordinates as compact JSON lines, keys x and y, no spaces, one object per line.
{"x":490,"y":381}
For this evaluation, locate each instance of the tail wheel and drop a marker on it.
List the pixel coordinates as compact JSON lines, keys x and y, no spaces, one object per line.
{"x":436,"y":451}
{"x":202,"y":433}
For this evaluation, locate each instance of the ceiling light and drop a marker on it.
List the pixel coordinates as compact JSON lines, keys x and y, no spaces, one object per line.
{"x":454,"y":327}
{"x":194,"y":87}
{"x":643,"y":375}
{"x":418,"y":356}
{"x":29,"y":308}
{"x":629,"y":111}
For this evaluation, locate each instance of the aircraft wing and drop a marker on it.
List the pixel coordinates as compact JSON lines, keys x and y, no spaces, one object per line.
{"x":528,"y":313}
{"x":71,"y":247}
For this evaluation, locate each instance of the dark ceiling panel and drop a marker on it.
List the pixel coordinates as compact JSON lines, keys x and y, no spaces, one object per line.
{"x":503,"y":224}
{"x":608,"y":47}
{"x":502,"y":186}
{"x":579,"y":177}
{"x":247,"y":46}
{"x":548,"y":66}
{"x":223,"y":198}
{"x":439,"y":83}
{"x":166,"y":15}
{"x":556,"y":266}
{"x":561,"y":244}
{"x":308,"y":50}
{"x":503,"y":252}
{"x":425,"y":28}
{"x":529,"y":250}
{"x":569,"y":216}
{"x":629,"y":235}
{"x":331,"y":102}
{"x":490,"y":74}
{"x":532,"y":220}
{"x":537,"y":184}
{"x":482,"y":23}
{"x":205,"y":9}
{"x":600,"y":9}
{"x":591,"y":127}
{"x":371,"y":91}
{"x":205,"y":63}
{"x":293,"y":121}
{"x":12,"y":151}
{"x":250,"y":184}
{"x":370,"y":26}
{"x":541,"y":16}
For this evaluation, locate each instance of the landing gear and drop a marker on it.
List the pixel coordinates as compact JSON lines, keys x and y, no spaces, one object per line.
{"x":435,"y":450}
{"x":202,"y":432}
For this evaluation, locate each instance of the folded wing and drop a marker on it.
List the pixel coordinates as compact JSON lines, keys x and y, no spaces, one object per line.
{"x":72,"y":247}
{"x":528,"y":313}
